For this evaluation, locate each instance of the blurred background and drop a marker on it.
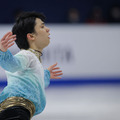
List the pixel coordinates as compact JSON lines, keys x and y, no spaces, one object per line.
{"x":85,"y":41}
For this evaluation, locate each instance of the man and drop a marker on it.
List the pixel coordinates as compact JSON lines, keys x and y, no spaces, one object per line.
{"x":24,"y":96}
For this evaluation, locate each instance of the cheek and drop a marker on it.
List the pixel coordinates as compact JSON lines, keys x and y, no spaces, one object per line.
{"x":42,"y":34}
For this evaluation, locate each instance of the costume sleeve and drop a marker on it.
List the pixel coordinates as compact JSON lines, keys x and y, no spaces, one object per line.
{"x":46,"y":77}
{"x":13,"y":63}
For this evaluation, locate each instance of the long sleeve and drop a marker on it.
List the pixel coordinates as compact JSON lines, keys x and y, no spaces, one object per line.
{"x":13,"y":63}
{"x":46,"y":77}
{"x":27,"y":81}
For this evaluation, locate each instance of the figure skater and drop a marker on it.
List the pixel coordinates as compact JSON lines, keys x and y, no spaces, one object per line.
{"x":24,"y":95}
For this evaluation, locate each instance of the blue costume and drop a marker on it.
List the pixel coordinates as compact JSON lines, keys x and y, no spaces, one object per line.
{"x":26,"y":78}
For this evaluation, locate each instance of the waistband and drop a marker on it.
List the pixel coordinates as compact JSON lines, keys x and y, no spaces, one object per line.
{"x":18,"y":101}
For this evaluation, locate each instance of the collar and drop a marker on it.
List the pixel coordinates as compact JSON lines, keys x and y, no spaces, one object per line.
{"x":37,"y":53}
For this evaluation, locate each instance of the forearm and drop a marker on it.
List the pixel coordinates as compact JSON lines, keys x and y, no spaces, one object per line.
{"x":9,"y":62}
{"x":46,"y":77}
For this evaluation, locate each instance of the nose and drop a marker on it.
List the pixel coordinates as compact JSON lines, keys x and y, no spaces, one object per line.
{"x":47,"y":29}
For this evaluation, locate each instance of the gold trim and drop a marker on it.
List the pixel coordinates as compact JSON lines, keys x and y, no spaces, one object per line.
{"x":38,"y":54}
{"x":18,"y":101}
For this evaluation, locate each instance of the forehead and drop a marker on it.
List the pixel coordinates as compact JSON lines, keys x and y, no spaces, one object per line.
{"x":39,"y":21}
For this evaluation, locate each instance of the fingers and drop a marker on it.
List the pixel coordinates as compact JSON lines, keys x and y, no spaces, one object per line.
{"x":7,"y":41}
{"x":9,"y":37}
{"x":52,"y":66}
{"x":58,"y":74}
{"x":56,"y":68}
{"x":57,"y":71}
{"x":10,"y":41}
{"x":10,"y":45}
{"x":8,"y":33}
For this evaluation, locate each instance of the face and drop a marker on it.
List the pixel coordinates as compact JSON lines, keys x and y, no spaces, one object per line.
{"x":41,"y":34}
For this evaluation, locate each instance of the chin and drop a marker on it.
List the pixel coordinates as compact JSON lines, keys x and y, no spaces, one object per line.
{"x":46,"y":44}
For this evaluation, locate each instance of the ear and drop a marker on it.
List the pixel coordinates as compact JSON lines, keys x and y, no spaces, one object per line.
{"x":30,"y":36}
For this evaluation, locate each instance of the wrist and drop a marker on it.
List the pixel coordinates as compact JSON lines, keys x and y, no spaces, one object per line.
{"x":2,"y":50}
{"x":48,"y":69}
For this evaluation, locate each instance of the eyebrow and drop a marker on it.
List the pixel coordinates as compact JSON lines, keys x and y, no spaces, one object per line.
{"x":43,"y":23}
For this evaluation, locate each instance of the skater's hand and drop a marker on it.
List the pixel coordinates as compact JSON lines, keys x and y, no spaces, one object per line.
{"x":55,"y":74}
{"x":7,"y":41}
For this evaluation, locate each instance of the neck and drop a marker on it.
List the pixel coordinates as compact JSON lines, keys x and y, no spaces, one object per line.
{"x":34,"y":47}
{"x":39,"y":52}
{"x":36,"y":52}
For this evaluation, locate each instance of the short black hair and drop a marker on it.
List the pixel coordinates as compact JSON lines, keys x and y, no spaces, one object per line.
{"x":25,"y":24}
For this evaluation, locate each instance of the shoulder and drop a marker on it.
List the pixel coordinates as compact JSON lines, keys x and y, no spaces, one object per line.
{"x":26,"y":53}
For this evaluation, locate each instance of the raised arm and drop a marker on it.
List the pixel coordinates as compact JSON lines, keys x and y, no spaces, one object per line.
{"x":7,"y":60}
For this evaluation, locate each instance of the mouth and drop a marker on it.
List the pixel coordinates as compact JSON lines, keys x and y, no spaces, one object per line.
{"x":49,"y":36}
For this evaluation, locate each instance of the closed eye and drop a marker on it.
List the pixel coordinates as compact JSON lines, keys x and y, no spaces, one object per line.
{"x":42,"y":26}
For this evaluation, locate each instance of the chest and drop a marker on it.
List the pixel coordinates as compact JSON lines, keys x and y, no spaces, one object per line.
{"x":39,"y":71}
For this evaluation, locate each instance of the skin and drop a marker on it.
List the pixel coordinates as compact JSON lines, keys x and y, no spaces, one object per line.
{"x":40,"y":38}
{"x":38,"y":41}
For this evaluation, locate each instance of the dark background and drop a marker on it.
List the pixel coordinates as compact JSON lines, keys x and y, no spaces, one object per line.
{"x":57,"y":11}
